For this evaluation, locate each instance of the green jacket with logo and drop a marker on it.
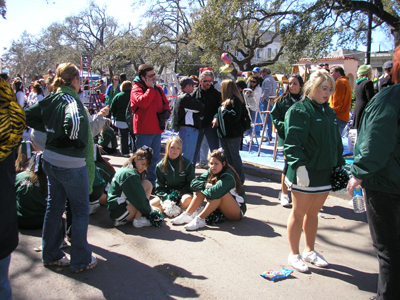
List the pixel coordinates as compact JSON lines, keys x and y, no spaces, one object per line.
{"x":377,"y":151}
{"x":223,"y":186}
{"x":126,"y":187}
{"x":312,"y":137}
{"x":65,"y":121}
{"x":173,"y":179}
{"x":278,"y":113}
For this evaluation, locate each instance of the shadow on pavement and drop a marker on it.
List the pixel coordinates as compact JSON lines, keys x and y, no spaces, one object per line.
{"x":246,"y":227}
{"x":118,"y":277}
{"x":254,"y":195}
{"x":364,"y":281}
{"x":345,"y":213}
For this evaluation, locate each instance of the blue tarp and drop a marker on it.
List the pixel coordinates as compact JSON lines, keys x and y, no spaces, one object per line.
{"x":85,"y":74}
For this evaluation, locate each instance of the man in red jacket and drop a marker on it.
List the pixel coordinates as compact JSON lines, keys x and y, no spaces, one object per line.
{"x":150,"y":109}
{"x":340,"y":101}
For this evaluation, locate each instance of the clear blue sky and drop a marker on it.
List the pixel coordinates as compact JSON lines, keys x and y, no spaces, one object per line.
{"x":34,"y":15}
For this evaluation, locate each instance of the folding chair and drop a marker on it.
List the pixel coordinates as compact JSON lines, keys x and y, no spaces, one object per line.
{"x":252,"y":104}
{"x":266,"y":113}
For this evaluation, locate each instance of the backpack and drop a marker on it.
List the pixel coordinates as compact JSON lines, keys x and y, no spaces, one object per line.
{"x":245,"y":119}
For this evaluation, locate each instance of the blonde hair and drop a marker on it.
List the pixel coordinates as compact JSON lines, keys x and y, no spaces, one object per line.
{"x":316,"y":79}
{"x":229,"y":89}
{"x":65,"y":74}
{"x":178,"y":143}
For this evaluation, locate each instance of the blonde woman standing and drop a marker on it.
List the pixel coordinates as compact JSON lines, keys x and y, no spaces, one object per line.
{"x":313,"y":147}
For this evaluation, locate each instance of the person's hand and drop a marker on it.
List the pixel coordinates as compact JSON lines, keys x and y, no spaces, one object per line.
{"x":214,"y":123}
{"x":353,"y":183}
{"x":149,"y":82}
{"x":104,"y":111}
{"x":302,"y":176}
{"x":387,"y":76}
{"x":222,"y":107}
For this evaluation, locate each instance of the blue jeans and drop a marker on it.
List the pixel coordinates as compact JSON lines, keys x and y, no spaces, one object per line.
{"x":341,"y":125}
{"x":153,"y":141}
{"x":212,"y":139}
{"x":5,"y":288}
{"x":231,"y":148}
{"x":188,"y":135}
{"x":204,"y":152}
{"x":74,"y":184}
{"x":263,"y":107}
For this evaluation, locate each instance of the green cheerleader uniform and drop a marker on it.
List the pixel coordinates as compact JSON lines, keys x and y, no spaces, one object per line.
{"x":226,"y":184}
{"x":106,"y":172}
{"x":31,"y":205}
{"x":173,"y":179}
{"x":312,"y":140}
{"x":99,"y":185}
{"x":278,"y":113}
{"x":108,"y":140}
{"x":126,"y":187}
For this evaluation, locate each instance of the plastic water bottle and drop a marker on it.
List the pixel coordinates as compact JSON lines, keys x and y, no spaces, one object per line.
{"x":358,"y":201}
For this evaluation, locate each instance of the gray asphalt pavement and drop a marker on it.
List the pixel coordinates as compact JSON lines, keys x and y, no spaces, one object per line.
{"x":216,"y":262}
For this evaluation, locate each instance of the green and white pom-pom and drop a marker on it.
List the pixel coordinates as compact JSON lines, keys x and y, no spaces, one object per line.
{"x":215,"y":217}
{"x":175,"y":196}
{"x":171,"y":209}
{"x":339,"y":179}
{"x":156,"y":218}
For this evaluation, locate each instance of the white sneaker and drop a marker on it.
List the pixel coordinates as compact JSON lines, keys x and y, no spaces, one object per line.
{"x":142,"y":222}
{"x":183,"y":218}
{"x":94,"y":208}
{"x":315,"y":258}
{"x":195,"y":224}
{"x":119,"y":223}
{"x":284,"y":199}
{"x":297,"y":263}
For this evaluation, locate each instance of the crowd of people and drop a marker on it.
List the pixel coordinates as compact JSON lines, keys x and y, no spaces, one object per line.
{"x":61,"y":168}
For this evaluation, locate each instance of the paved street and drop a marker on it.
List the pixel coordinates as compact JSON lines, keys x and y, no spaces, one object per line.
{"x":218,"y":262}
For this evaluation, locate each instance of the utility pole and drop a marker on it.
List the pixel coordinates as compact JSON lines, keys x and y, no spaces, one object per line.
{"x":369,"y":39}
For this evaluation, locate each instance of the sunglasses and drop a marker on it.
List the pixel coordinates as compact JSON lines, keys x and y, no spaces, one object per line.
{"x":151,"y":75}
{"x":253,"y":81}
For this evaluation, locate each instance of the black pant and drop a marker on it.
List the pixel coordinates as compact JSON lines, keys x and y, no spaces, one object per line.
{"x":383,"y":211}
{"x":124,"y":140}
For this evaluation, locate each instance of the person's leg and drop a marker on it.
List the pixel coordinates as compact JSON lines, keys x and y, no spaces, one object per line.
{"x":231,"y":147}
{"x":310,"y":223}
{"x":188,"y":135}
{"x":227,"y":204}
{"x":301,"y":204}
{"x":150,"y":140}
{"x":186,"y":200}
{"x":77,"y":190}
{"x":53,"y":228}
{"x":197,"y":200}
{"x":204,"y":149}
{"x":341,"y":125}
{"x":198,"y":145}
{"x":383,"y":212}
{"x":212,"y":137}
{"x":124,"y":147}
{"x":269,"y":126}
{"x":5,"y":288}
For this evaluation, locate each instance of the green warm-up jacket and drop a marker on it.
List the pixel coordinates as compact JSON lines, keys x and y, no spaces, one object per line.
{"x":377,"y":151}
{"x":312,"y":137}
{"x":173,"y":179}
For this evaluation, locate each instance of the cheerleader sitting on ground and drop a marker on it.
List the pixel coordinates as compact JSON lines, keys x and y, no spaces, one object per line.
{"x":174,"y":175}
{"x":108,"y":141}
{"x":129,"y":192}
{"x":221,"y":188}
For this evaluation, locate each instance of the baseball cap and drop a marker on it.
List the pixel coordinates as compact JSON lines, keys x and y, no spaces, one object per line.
{"x":256,"y":69}
{"x":185,"y":80}
{"x":388,"y":65}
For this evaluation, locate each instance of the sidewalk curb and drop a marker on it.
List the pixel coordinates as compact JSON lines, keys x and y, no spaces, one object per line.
{"x":262,"y":171}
